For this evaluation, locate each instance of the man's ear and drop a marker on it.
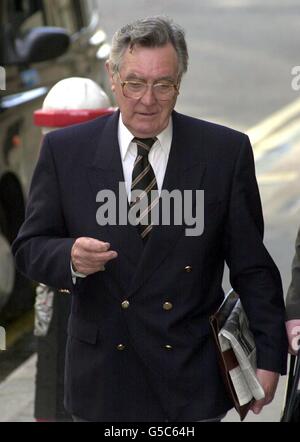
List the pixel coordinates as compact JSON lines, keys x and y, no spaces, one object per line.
{"x":110,"y":75}
{"x":107,"y":66}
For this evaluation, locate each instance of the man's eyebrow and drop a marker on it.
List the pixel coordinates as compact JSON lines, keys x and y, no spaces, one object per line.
{"x":166,"y":78}
{"x":133,"y":76}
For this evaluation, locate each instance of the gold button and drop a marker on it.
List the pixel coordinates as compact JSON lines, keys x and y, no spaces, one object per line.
{"x":121,"y":347}
{"x":125,"y":304}
{"x":188,"y":269}
{"x":168,"y":347}
{"x":167,"y":306}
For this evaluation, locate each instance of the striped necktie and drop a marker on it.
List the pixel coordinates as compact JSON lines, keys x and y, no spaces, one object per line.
{"x":143,"y":182}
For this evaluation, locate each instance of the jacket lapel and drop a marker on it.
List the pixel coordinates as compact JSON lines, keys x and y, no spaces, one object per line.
{"x":185,"y":171}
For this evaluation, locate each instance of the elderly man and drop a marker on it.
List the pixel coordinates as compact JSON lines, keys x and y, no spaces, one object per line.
{"x":139,"y":346}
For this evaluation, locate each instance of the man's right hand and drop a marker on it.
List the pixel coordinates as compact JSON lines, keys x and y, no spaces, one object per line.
{"x":293,"y":332}
{"x":89,"y":255}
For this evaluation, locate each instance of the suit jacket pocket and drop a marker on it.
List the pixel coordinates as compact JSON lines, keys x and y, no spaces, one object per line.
{"x":198,"y":328}
{"x":83,"y":330}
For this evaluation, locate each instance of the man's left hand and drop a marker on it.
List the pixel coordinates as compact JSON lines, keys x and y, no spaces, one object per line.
{"x":268,"y":380}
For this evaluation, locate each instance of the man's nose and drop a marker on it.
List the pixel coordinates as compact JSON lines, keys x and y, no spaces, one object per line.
{"x":149,"y":97}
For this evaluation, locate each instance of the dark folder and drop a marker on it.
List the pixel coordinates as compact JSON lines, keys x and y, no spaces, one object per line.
{"x":227,"y":359}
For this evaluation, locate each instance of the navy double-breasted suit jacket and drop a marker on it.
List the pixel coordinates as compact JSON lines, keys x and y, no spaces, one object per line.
{"x":145,"y":362}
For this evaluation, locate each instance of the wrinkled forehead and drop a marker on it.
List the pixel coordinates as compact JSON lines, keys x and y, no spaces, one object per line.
{"x":150,"y":62}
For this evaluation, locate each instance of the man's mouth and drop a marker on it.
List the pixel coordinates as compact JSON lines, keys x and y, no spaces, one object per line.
{"x":147,"y":114}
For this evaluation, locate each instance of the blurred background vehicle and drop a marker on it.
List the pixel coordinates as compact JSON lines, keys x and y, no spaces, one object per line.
{"x":41,"y":42}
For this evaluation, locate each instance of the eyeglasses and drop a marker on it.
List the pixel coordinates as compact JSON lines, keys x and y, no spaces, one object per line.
{"x":136,"y":89}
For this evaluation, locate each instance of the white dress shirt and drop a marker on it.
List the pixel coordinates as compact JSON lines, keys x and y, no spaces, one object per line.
{"x":158,"y":158}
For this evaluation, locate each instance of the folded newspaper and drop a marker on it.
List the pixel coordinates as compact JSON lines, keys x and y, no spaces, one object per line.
{"x":43,"y":310}
{"x":236,"y":334}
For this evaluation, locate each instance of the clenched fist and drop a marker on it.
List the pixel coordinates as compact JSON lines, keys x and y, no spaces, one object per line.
{"x":89,"y":255}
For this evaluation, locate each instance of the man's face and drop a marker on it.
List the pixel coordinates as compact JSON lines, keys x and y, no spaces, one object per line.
{"x":147,"y":116}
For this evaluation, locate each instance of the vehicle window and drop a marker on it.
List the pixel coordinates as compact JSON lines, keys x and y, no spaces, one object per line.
{"x":91,"y":10}
{"x":25,"y":14}
{"x":64,"y":13}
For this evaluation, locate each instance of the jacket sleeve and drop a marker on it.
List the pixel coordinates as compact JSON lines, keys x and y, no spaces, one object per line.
{"x":293,"y":294}
{"x":253,"y":274}
{"x":42,"y":248}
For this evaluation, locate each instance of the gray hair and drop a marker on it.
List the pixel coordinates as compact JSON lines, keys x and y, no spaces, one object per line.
{"x":150,"y":32}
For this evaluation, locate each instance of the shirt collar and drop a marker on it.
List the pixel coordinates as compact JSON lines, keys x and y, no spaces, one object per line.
{"x":125,"y":137}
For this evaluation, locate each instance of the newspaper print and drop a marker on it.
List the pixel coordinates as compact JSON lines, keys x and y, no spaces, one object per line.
{"x":237,"y":335}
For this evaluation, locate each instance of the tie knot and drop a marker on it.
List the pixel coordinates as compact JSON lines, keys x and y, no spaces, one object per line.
{"x":144,"y":145}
